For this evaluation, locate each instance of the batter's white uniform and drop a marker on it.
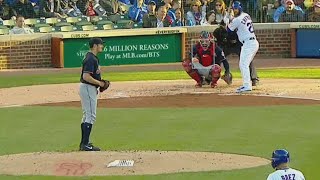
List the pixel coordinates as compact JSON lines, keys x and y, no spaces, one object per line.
{"x":286,"y":174}
{"x":250,"y":46}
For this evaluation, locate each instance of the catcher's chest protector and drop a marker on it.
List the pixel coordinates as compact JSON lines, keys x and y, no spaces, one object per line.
{"x":206,"y":57}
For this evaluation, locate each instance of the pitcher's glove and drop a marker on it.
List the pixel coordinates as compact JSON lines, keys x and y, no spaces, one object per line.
{"x":227,"y":77}
{"x":106,"y":85}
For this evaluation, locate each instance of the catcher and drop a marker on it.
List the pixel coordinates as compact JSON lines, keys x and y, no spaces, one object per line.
{"x":91,"y":82}
{"x":204,"y":66}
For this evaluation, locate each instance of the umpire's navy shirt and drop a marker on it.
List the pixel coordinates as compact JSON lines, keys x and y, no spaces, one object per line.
{"x":90,"y":65}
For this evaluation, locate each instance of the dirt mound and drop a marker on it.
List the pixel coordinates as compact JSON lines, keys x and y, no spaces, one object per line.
{"x":145,"y":162}
{"x":192,"y":100}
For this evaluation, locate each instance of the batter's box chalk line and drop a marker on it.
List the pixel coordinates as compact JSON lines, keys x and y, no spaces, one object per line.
{"x":121,"y":163}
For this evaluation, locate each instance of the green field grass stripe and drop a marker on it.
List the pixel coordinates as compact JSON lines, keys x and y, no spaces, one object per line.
{"x":231,"y":130}
{"x":25,"y":80}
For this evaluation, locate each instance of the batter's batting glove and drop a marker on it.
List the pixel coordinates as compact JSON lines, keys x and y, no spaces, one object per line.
{"x":227,"y":77}
{"x":106,"y":85}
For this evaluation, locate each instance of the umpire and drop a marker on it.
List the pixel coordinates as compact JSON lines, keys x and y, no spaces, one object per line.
{"x":230,"y":43}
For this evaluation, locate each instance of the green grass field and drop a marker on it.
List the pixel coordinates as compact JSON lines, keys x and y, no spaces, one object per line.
{"x":207,"y":129}
{"x":253,"y":131}
{"x":25,"y":80}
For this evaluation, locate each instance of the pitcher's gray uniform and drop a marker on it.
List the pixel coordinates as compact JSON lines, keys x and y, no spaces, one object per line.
{"x":90,"y":81}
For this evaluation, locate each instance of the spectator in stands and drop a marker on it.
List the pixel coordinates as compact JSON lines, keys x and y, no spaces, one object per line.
{"x":179,"y":18}
{"x":50,"y":8}
{"x":314,"y":16}
{"x":151,"y":8}
{"x":296,"y":2}
{"x":159,"y":21}
{"x":150,"y":16}
{"x":127,"y":2}
{"x":280,"y":10}
{"x":111,"y":6}
{"x":221,"y":11}
{"x":308,"y":4}
{"x":5,"y":11}
{"x":35,"y":3}
{"x":291,"y":14}
{"x":172,"y":11}
{"x":194,"y":16}
{"x":137,"y":11}
{"x":20,"y":27}
{"x":89,"y":10}
{"x":24,"y":8}
{"x":211,"y":18}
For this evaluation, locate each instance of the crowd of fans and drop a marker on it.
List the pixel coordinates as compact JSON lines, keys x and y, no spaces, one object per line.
{"x":161,"y":13}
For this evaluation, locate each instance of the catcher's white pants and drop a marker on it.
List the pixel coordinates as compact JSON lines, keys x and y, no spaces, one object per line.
{"x":88,"y":95}
{"x":248,"y":51}
{"x":202,"y":70}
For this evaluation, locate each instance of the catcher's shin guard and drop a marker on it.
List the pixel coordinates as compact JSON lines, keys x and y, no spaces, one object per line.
{"x":192,"y":73}
{"x":215,"y":73}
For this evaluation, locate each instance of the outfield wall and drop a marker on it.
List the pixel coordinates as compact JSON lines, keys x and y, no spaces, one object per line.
{"x":45,"y":50}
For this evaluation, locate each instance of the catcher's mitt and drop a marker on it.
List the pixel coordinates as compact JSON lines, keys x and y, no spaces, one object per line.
{"x":227,"y":77}
{"x":106,"y":85}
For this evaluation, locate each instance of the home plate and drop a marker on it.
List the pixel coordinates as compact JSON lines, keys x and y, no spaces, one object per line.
{"x":121,"y":163}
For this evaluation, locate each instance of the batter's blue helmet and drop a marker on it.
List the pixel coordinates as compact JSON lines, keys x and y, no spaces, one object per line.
{"x":237,"y":5}
{"x":279,"y":156}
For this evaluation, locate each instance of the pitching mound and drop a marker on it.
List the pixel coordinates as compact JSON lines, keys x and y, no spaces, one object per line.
{"x":148,"y":162}
{"x":192,"y":100}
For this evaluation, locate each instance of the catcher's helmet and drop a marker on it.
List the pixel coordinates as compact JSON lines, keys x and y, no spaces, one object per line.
{"x":237,"y":5}
{"x":279,"y":156}
{"x":205,"y":39}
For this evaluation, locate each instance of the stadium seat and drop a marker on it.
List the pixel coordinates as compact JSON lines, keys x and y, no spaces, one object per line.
{"x":88,"y":28}
{"x":62,"y":22}
{"x":105,"y":26}
{"x":4,"y":31}
{"x":3,"y":27}
{"x":9,"y":23}
{"x":46,"y":29}
{"x":114,"y":18}
{"x":41,"y":25}
{"x":94,"y":19}
{"x":31,"y":22}
{"x":124,"y":24}
{"x":137,"y":25}
{"x":83,"y":21}
{"x":72,"y":20}
{"x":52,"y":21}
{"x":103,"y":22}
{"x":66,"y":28}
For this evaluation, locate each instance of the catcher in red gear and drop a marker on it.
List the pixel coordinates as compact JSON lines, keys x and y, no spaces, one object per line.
{"x":206,"y":58}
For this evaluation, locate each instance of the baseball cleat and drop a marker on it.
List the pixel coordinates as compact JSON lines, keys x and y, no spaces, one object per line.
{"x":213,"y":85}
{"x":88,"y":147}
{"x":242,"y":89}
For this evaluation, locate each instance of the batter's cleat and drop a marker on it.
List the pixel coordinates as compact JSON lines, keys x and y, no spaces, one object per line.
{"x":213,"y":85}
{"x":88,"y":147}
{"x":255,"y":82}
{"x":243,"y":89}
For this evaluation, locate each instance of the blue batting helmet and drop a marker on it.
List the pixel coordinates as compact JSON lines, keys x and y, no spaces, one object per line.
{"x":279,"y":156}
{"x":237,"y":5}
